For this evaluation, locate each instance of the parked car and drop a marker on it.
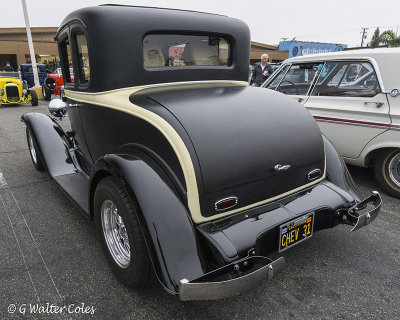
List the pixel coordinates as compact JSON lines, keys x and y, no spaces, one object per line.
{"x":354,"y":96}
{"x":58,"y":84}
{"x":186,"y":169}
{"x":13,"y":90}
{"x":27,"y":73}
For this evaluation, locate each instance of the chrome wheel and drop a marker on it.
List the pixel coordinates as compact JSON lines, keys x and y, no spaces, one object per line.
{"x":394,"y":169}
{"x":115,"y":234}
{"x":32,"y":149}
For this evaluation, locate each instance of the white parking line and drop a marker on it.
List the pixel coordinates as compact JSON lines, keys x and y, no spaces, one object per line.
{"x":19,"y":216}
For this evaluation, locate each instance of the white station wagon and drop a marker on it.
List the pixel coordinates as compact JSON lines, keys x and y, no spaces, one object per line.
{"x":354,"y":96}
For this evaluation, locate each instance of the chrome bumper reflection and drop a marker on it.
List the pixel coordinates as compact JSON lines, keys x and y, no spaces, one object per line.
{"x":353,"y":215}
{"x":255,"y":270}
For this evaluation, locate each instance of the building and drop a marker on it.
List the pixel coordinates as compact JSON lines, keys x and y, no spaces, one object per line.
{"x":302,"y":48}
{"x":14,"y":46}
{"x":257,"y":49}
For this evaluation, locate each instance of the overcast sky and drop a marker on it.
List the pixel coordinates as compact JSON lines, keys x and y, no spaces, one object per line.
{"x":337,"y":21}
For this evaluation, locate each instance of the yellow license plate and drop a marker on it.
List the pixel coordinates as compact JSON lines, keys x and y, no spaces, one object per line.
{"x":296,"y":231}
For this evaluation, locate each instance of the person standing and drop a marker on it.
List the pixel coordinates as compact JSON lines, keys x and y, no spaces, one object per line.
{"x":262,"y":70}
{"x":8,"y":67}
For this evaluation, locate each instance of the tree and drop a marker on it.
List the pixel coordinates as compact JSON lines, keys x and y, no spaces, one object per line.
{"x":375,"y":39}
{"x":386,"y":38}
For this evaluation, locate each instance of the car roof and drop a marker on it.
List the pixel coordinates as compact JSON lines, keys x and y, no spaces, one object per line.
{"x":115,"y":34}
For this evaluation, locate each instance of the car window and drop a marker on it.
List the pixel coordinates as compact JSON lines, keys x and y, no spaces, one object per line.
{"x":351,"y":79}
{"x":297,"y":79}
{"x":173,"y":50}
{"x":66,"y":59}
{"x":83,"y":57}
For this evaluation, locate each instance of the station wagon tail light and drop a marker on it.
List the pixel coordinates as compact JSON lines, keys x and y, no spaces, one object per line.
{"x":226,"y":203}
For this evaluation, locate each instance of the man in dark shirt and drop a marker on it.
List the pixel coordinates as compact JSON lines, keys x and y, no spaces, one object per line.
{"x":262,"y":70}
{"x":8,"y":67}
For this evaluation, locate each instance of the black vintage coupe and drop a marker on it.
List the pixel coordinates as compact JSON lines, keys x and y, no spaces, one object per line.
{"x":184,"y":168}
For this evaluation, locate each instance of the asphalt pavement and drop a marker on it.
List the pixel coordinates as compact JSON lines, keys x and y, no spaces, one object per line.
{"x":51,"y":259}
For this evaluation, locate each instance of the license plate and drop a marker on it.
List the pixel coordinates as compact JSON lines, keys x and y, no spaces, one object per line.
{"x":296,"y":231}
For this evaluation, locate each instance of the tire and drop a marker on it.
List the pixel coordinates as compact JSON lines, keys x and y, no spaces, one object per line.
{"x":35,"y":100}
{"x":120,"y":234}
{"x":33,"y":151}
{"x":387,"y":171}
{"x":46,"y":93}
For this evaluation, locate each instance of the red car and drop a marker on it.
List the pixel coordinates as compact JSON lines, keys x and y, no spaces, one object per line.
{"x":57,"y":76}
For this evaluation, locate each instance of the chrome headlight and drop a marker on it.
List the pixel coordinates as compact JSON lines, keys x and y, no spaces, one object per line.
{"x":24,"y":91}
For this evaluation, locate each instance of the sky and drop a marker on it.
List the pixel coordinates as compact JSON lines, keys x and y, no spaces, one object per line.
{"x":339,"y":21}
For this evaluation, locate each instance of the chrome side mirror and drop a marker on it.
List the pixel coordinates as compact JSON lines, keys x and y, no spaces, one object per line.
{"x":49,"y":84}
{"x":58,"y":108}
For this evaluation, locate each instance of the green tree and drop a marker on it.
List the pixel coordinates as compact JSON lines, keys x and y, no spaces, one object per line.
{"x":386,"y":38}
{"x":375,"y":39}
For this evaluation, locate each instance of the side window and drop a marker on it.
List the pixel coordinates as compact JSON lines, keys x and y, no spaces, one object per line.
{"x":66,"y":60}
{"x":347,"y":79}
{"x":297,"y":79}
{"x":277,"y":80}
{"x":82,"y":57}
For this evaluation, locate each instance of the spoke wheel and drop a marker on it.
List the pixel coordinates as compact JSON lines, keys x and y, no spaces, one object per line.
{"x":120,"y":234}
{"x":114,"y":232}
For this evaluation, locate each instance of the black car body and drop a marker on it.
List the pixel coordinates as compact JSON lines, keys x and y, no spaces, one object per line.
{"x":177,"y":159}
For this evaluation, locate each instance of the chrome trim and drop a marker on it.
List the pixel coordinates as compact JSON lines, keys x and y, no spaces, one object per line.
{"x":225,"y":199}
{"x":312,"y":172}
{"x":279,"y":167}
{"x":209,"y":290}
{"x":343,"y":121}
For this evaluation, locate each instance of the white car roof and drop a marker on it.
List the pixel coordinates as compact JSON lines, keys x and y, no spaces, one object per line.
{"x":387,"y":59}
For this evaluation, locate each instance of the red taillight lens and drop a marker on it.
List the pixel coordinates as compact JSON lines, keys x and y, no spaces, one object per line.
{"x":226,"y":203}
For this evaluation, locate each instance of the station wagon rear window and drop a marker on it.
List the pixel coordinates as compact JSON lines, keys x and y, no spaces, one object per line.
{"x":176,"y":50}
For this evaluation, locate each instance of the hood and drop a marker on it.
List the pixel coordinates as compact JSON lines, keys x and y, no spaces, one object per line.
{"x":239,"y":135}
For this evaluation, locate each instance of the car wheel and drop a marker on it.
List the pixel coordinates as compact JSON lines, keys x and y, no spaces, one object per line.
{"x":35,"y":100}
{"x":46,"y":93}
{"x":33,"y":151}
{"x":387,"y":171}
{"x":121,"y":237}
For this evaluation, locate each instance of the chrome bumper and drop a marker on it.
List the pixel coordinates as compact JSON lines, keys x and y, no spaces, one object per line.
{"x":355,"y":218}
{"x":256,"y":269}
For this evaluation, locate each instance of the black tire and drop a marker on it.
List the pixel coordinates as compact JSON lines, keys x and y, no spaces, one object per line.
{"x":46,"y":93}
{"x":35,"y":100}
{"x":136,"y":272}
{"x":387,"y":171}
{"x":34,"y":151}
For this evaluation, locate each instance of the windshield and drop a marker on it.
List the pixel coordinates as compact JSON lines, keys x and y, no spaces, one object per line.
{"x":9,"y":74}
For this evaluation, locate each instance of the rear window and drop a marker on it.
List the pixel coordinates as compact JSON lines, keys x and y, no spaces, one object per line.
{"x":173,"y":50}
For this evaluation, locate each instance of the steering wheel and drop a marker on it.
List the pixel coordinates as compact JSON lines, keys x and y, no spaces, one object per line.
{"x":292,"y":85}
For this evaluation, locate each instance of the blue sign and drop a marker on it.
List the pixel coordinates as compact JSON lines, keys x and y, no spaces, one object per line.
{"x":303,"y":48}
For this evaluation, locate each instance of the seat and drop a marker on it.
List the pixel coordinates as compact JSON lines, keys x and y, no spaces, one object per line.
{"x":153,"y":57}
{"x":200,"y":54}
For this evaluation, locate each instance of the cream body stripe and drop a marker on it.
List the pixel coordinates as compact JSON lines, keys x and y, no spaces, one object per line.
{"x":119,"y":100}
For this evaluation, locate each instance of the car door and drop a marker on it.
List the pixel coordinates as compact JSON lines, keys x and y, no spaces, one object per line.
{"x":349,"y":105}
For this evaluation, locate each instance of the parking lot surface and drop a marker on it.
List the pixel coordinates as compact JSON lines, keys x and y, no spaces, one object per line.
{"x":50,"y":256}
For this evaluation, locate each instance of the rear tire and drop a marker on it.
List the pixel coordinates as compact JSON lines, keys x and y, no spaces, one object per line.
{"x":33,"y":151}
{"x":46,"y":93}
{"x":120,"y":234}
{"x":387,"y":171}
{"x":35,"y":100}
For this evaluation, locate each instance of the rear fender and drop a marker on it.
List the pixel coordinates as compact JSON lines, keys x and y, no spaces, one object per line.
{"x":168,"y":230}
{"x":337,"y":172}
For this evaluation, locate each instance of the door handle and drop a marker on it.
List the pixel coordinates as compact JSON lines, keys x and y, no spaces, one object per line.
{"x":378,"y":104}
